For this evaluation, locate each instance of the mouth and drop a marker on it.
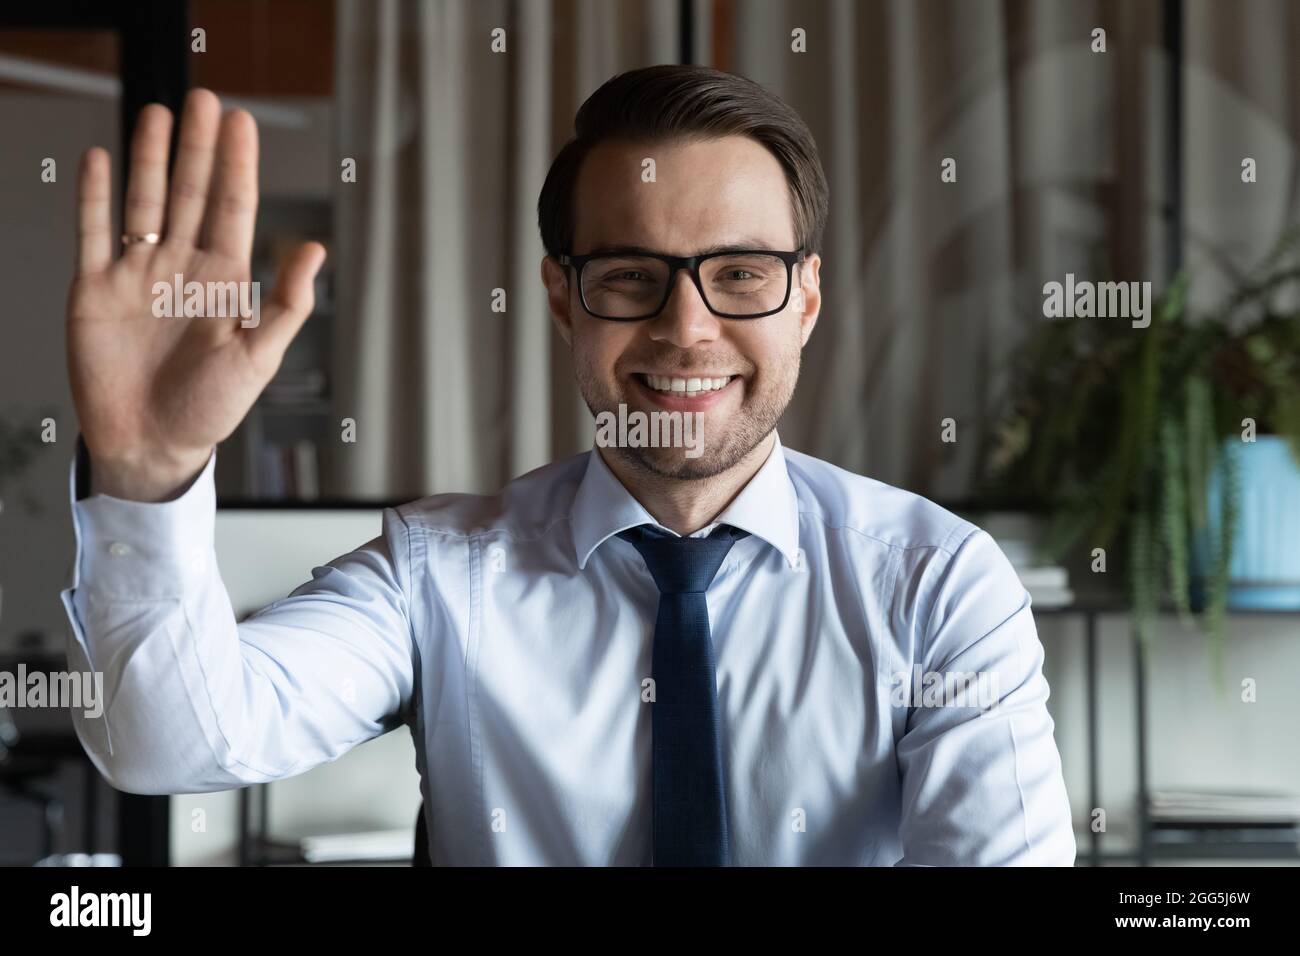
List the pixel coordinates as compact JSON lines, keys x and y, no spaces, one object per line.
{"x":688,"y":393}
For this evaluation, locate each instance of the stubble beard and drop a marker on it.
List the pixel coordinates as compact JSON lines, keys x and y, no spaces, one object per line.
{"x":722,"y":449}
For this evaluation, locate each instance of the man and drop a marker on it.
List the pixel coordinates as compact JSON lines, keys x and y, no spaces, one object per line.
{"x":726,"y":654}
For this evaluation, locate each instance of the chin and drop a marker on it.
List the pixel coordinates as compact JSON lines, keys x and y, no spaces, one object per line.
{"x":674,"y":462}
{"x":671,"y":463}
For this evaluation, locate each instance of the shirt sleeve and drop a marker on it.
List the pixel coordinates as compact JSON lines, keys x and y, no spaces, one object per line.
{"x":193,"y":701}
{"x":981,"y":774}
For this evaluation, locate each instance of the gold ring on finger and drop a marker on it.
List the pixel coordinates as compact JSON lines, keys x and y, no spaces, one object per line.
{"x":130,"y":239}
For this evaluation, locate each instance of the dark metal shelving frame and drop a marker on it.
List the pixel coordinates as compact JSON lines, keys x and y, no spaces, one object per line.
{"x":1144,"y":851}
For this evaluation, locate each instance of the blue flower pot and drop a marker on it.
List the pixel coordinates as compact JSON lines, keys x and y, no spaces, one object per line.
{"x":1265,"y":570}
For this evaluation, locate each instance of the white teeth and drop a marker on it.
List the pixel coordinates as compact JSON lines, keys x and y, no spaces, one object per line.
{"x":688,"y":386}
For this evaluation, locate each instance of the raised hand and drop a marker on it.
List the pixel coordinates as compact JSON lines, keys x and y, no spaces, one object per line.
{"x":154,"y":395}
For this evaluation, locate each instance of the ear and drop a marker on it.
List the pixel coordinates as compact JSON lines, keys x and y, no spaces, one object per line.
{"x":809,"y":280}
{"x":556,"y":279}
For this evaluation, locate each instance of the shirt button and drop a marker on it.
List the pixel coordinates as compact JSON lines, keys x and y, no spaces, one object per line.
{"x":119,"y":550}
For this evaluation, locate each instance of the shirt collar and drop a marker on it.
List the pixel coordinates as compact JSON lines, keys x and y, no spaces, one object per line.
{"x":766,"y":507}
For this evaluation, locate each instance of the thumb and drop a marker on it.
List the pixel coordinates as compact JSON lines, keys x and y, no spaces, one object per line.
{"x":291,"y":302}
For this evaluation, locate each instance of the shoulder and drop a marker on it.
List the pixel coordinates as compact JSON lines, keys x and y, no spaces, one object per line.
{"x":847,"y":503}
{"x":949,"y":573}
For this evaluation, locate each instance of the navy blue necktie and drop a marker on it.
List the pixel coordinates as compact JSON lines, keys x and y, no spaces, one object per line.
{"x":690,"y":805}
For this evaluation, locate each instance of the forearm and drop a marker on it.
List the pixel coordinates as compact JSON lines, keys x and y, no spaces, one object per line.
{"x":149,"y":612}
{"x":195,"y":701}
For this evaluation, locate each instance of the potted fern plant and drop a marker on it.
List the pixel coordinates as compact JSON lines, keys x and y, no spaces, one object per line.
{"x":1143,"y":442}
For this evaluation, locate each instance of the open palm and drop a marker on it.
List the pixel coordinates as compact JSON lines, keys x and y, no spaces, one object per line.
{"x":154,"y":395}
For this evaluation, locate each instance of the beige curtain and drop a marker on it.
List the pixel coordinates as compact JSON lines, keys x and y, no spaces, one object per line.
{"x":928,"y":286}
{"x":1242,"y":90}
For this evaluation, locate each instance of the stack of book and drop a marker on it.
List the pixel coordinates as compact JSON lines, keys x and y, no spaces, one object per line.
{"x":290,"y":470}
{"x":378,"y":846}
{"x":1259,"y":819}
{"x":1048,"y":584}
{"x":293,"y":386}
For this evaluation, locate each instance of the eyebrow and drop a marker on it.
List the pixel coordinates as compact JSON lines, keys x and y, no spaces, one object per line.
{"x":740,"y":245}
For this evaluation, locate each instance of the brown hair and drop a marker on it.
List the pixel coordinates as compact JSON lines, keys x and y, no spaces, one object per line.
{"x":686,"y":102}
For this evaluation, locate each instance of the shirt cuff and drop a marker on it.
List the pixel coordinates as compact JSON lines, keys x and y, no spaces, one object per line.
{"x":137,"y":550}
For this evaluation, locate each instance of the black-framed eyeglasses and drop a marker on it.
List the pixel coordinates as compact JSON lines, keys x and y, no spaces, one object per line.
{"x":735,"y":284}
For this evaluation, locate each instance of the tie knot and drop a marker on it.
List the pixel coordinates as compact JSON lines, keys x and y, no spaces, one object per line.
{"x":682,"y":565}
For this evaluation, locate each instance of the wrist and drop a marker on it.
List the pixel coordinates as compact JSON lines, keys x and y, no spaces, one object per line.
{"x":146,"y":478}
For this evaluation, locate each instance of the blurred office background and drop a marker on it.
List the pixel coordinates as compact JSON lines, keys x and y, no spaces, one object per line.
{"x":1123,"y":164}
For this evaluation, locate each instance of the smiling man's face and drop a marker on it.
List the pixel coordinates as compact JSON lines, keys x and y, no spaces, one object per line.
{"x":727,"y":192}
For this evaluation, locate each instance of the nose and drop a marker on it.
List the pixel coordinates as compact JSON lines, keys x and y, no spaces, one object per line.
{"x":685,"y":320}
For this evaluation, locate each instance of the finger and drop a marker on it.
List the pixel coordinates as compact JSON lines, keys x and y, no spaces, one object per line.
{"x":200,"y":123}
{"x":232,"y":207}
{"x":291,"y":303}
{"x":94,"y":213}
{"x":146,"y":187}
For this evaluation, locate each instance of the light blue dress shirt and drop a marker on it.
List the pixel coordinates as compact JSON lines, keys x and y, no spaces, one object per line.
{"x":512,"y":634}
